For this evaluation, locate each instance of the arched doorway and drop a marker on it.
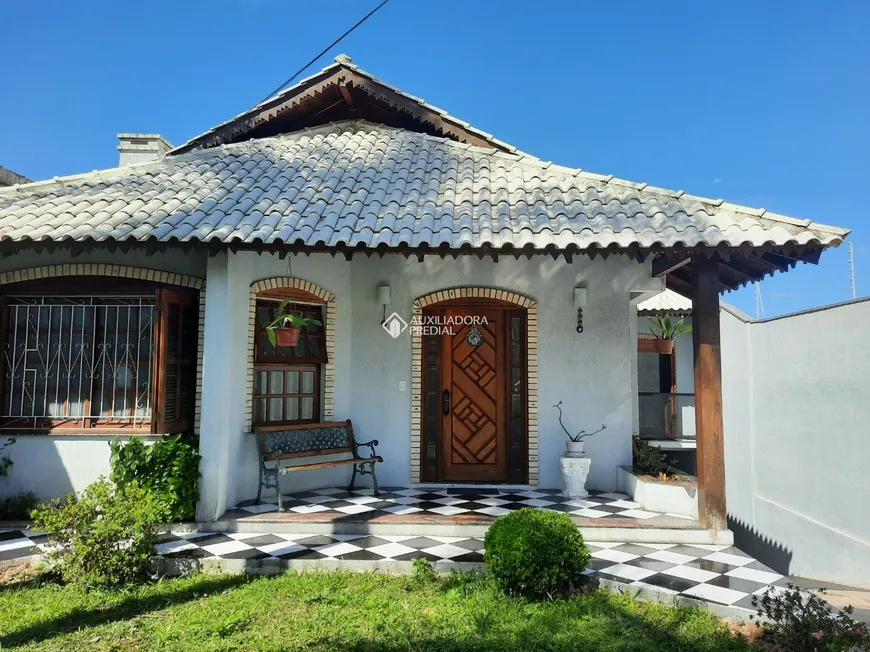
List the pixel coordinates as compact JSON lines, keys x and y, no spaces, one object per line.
{"x":474,"y":357}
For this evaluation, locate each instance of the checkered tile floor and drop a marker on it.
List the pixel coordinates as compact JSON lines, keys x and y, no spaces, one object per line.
{"x":451,"y":502}
{"x":712,"y":573}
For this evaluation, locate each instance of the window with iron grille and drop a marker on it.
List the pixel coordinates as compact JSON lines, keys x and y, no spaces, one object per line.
{"x":287,"y":380}
{"x":113,"y":360}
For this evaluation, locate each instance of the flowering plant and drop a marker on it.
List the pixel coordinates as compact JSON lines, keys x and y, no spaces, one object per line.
{"x":803,"y":622}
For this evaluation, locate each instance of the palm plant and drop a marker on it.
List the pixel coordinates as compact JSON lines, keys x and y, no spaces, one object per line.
{"x":665,"y":328}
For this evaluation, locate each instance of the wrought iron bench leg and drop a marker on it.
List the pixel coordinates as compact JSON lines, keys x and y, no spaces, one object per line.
{"x":278,"y":490}
{"x":377,"y":491}
{"x":353,"y":477}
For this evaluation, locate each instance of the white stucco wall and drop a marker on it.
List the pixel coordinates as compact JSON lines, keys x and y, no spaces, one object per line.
{"x":52,"y":466}
{"x":591,"y":373}
{"x":797,"y":440}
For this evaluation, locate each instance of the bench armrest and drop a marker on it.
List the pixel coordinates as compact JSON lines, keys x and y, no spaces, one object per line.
{"x":371,"y":444}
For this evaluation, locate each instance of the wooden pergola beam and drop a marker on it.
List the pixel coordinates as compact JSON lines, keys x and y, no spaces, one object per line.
{"x":709,"y":428}
{"x":667,"y":265}
{"x":742,"y":270}
{"x":678,"y":285}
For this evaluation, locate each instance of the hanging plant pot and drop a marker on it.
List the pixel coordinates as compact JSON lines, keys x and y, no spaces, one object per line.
{"x":662,"y":347}
{"x":288,"y":337}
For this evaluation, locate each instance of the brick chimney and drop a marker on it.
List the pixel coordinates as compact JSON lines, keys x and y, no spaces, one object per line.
{"x":138,"y":148}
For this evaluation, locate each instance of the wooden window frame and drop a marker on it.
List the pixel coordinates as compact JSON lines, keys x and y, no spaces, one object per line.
{"x":95,"y":287}
{"x":284,"y":368}
{"x":264,"y":362}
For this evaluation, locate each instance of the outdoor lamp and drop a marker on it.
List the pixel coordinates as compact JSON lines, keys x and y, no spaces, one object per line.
{"x":384,"y":298}
{"x":579,"y":303}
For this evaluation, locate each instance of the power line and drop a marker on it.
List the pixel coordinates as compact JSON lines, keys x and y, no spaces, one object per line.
{"x":326,"y":49}
{"x":852,"y":269}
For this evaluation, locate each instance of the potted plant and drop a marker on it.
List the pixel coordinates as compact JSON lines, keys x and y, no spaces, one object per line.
{"x":575,"y":465}
{"x":666,"y":331}
{"x":575,"y":443}
{"x":285,"y":328}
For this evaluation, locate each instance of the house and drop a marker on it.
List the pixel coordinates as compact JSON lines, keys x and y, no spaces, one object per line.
{"x":134,"y":298}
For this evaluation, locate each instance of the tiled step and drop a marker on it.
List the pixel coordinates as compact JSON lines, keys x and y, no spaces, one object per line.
{"x":627,"y":532}
{"x":456,"y":511}
{"x":719,"y":577}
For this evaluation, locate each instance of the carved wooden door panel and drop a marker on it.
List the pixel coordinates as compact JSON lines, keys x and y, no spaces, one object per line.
{"x":474,"y":444}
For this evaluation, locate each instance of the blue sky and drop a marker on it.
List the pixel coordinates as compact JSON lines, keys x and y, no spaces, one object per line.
{"x":761,"y":103}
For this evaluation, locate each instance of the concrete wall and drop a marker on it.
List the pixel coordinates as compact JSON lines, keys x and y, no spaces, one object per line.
{"x":592,"y":373}
{"x":53,"y":466}
{"x":797,"y":439}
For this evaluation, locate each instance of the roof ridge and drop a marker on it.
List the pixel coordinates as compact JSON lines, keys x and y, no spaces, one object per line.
{"x":343,"y":61}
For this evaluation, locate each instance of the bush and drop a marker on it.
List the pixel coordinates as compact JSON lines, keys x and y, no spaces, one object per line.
{"x":535,"y":552}
{"x":17,"y":506}
{"x":803,"y":622}
{"x":104,"y":537}
{"x":168,"y":469}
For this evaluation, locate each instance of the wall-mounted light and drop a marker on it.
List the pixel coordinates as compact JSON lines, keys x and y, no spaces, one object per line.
{"x":384,"y":298}
{"x":579,"y":304}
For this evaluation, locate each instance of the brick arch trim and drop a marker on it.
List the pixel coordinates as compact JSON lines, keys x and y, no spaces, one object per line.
{"x":328,"y":299}
{"x":127,"y":271}
{"x":99,"y":269}
{"x":471,"y":293}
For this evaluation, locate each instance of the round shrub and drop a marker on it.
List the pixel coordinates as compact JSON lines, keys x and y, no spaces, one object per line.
{"x":535,"y":551}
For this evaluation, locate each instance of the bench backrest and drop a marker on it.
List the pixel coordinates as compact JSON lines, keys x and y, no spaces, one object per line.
{"x":305,"y":440}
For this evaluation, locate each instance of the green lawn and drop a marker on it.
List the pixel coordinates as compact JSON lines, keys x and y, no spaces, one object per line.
{"x":342,"y":611}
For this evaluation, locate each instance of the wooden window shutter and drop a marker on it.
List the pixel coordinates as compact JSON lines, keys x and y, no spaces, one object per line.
{"x":176,"y":336}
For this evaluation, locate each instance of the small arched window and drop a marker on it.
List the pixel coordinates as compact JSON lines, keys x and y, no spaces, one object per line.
{"x":287,"y":380}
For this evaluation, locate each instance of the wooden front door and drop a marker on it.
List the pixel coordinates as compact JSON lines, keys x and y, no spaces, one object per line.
{"x":480,"y":393}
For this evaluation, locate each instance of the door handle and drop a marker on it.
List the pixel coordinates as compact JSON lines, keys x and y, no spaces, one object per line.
{"x":445,"y":402}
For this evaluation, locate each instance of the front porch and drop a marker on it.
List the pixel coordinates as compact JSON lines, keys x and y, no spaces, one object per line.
{"x":447,"y":505}
{"x":464,"y":511}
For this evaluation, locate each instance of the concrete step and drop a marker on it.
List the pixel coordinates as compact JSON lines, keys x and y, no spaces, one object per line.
{"x":681,"y":531}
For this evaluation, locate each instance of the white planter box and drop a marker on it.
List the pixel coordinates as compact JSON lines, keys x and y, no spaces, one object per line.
{"x":658,"y":496}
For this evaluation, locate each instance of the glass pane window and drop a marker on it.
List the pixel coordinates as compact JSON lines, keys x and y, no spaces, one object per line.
{"x":287,"y":379}
{"x":78,"y":361}
{"x":286,"y":394}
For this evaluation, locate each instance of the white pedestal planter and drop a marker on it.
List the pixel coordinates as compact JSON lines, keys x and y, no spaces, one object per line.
{"x":658,"y":496}
{"x":575,"y":470}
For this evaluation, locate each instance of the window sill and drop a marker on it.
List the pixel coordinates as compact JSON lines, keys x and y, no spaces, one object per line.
{"x":76,"y":432}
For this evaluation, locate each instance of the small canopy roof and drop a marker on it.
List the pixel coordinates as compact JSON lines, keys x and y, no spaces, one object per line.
{"x":665,"y":302}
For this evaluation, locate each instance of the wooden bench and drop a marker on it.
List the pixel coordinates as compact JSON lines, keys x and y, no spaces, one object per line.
{"x":280,"y":445}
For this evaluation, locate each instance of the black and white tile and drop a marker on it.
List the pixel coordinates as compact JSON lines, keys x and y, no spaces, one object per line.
{"x":342,"y":547}
{"x":339,"y":502}
{"x":19,"y":544}
{"x":715,"y":574}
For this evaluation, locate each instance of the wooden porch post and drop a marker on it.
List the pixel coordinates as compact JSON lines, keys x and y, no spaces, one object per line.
{"x":708,"y":392}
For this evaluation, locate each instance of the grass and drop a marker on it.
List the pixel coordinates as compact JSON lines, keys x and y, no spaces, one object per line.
{"x":343,"y":611}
